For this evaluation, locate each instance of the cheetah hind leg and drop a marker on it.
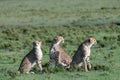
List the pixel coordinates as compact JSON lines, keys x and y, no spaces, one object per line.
{"x":57,"y":62}
{"x":89,"y":66}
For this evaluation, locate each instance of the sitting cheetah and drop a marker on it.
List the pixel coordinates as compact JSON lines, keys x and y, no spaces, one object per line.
{"x":83,"y":54}
{"x":32,"y":58}
{"x":58,"y":54}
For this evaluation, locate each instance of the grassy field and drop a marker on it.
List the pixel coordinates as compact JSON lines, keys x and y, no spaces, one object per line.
{"x":22,"y":22}
{"x":58,"y":13}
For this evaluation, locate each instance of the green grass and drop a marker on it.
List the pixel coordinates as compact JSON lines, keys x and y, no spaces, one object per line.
{"x":22,"y":22}
{"x":17,"y":41}
{"x":58,"y":13}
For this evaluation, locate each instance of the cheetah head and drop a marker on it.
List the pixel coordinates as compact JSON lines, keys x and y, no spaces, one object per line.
{"x":92,"y":41}
{"x":59,"y":39}
{"x":37,"y":44}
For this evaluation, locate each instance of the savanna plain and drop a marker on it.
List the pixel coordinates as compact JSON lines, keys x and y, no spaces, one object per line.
{"x":24,"y":21}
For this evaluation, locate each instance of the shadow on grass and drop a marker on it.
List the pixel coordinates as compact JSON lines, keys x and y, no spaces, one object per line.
{"x":53,"y":69}
{"x":13,"y":74}
{"x":100,"y":67}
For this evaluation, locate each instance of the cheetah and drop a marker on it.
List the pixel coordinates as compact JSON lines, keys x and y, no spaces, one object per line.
{"x":58,"y":54}
{"x":82,"y":56}
{"x":32,"y":58}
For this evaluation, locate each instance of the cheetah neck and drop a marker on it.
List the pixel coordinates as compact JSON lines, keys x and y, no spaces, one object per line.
{"x":37,"y":47}
{"x":38,"y":51}
{"x":57,"y":43}
{"x":88,"y":44}
{"x":54,"y":46}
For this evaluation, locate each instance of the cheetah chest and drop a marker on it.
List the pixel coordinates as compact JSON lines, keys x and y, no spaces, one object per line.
{"x":39,"y":54}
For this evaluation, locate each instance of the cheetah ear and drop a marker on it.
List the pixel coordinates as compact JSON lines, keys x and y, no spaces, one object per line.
{"x":33,"y":42}
{"x":56,"y":38}
{"x":89,"y":40}
{"x":40,"y":42}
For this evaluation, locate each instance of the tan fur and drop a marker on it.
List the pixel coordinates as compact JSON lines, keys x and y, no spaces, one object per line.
{"x":58,"y":54}
{"x":32,"y":58}
{"x":83,"y":54}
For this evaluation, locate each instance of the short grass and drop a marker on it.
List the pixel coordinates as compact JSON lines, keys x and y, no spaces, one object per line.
{"x":58,"y":13}
{"x":17,"y":41}
{"x":24,"y":21}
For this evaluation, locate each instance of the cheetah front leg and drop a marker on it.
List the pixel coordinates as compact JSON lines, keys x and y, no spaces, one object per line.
{"x":39,"y":64}
{"x":57,"y":59}
{"x":88,"y":63}
{"x":50,"y":62}
{"x":85,"y":65}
